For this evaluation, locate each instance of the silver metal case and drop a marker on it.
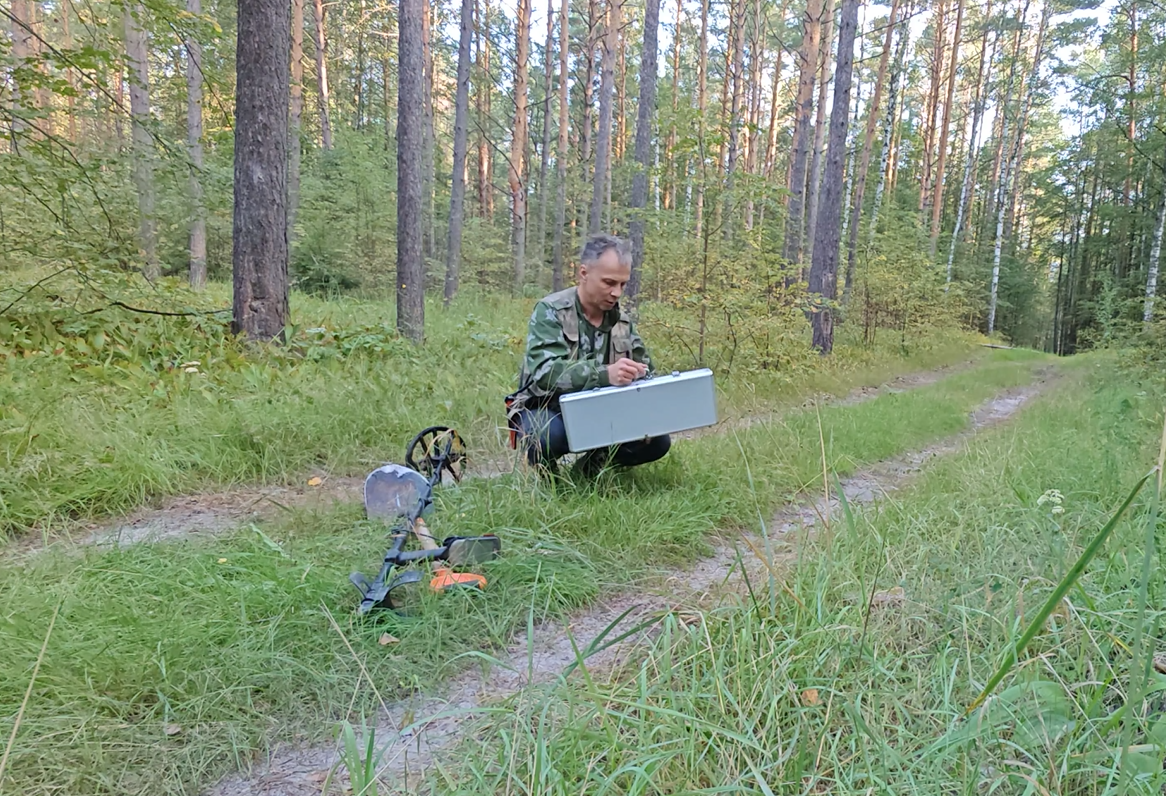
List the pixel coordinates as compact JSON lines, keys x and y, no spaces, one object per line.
{"x":607,"y":416}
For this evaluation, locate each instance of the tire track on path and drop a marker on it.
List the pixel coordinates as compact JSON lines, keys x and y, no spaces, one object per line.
{"x":414,"y":746}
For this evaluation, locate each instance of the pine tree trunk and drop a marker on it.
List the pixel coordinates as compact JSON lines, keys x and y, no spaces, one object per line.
{"x":808,"y":55}
{"x":137,"y":51}
{"x":647,"y":104}
{"x":941,"y":165}
{"x":771,"y":141}
{"x":734,"y":126}
{"x":593,"y":36}
{"x":410,"y":135}
{"x":482,"y":100}
{"x":756,"y":61}
{"x":295,"y":121}
{"x":457,"y":188}
{"x":824,"y":267}
{"x":22,"y":43}
{"x":259,"y":233}
{"x":194,"y":144}
{"x":561,"y":156}
{"x":820,"y":122}
{"x":517,"y":168}
{"x":544,"y":194}
{"x":702,"y":107}
{"x":867,"y":149}
{"x":929,"y":126}
{"x":556,"y":267}
{"x":606,"y":97}
{"x":322,"y":77}
{"x":973,"y":152}
{"x":1017,"y":156}
{"x":429,"y":175}
{"x":671,"y":163}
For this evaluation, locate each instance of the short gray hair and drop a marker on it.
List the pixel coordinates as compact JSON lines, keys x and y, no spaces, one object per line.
{"x":598,"y":245}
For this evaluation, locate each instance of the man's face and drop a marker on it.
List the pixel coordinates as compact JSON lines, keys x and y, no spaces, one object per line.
{"x":603,"y":282}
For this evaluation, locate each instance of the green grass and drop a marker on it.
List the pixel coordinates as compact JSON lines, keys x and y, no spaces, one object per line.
{"x":98,"y":414}
{"x":818,"y":694}
{"x":229,"y":639}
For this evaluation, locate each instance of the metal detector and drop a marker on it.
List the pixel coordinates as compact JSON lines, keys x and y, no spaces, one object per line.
{"x":400,"y":495}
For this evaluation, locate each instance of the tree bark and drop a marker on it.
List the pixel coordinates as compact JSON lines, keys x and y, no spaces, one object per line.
{"x":867,"y":149}
{"x":544,"y":195}
{"x":482,"y":96}
{"x":1155,"y":253}
{"x":259,"y":236}
{"x":824,"y":267}
{"x":973,"y":152}
{"x":21,"y":54}
{"x":808,"y":54}
{"x":738,"y":88}
{"x":429,"y":176}
{"x":517,"y":169}
{"x":606,"y":97}
{"x":670,"y":190}
{"x":643,"y":143}
{"x":771,"y":142}
{"x":929,"y":136}
{"x":194,"y":143}
{"x":322,"y":77}
{"x":410,"y":134}
{"x":702,"y":106}
{"x":137,"y":50}
{"x":941,"y":164}
{"x":457,"y":189}
{"x":889,"y":123}
{"x":753,"y":139}
{"x":820,"y":122}
{"x":561,"y":156}
{"x":297,"y":114}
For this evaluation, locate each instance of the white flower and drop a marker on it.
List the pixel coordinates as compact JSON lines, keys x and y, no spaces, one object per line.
{"x":1054,"y":498}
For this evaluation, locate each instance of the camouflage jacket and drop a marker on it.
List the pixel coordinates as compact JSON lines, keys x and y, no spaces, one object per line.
{"x":565,"y":353}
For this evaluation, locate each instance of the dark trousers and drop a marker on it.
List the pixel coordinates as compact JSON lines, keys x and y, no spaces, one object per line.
{"x":544,"y":437}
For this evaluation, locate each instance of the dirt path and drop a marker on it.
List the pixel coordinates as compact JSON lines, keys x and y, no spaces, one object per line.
{"x":300,"y":771}
{"x":213,"y":513}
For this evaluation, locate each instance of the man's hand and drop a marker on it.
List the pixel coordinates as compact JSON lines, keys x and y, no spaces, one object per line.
{"x":625,"y":371}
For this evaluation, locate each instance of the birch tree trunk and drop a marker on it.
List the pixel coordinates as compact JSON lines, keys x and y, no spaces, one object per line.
{"x":889,"y":124}
{"x":1155,"y":254}
{"x":410,"y":132}
{"x":194,"y":144}
{"x":457,"y":188}
{"x":137,"y":52}
{"x":259,"y":225}
{"x":824,"y":267}
{"x":517,"y":173}
{"x":322,"y":77}
{"x":643,"y":143}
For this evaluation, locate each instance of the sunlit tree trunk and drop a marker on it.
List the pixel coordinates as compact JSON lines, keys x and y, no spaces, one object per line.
{"x":1155,"y":253}
{"x":194,"y":144}
{"x":544,"y":194}
{"x":322,"y":76}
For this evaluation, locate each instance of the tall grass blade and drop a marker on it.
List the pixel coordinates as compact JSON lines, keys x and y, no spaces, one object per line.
{"x":1058,"y":594}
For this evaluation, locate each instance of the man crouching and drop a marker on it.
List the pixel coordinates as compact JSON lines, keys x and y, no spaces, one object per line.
{"x":578,"y":339}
